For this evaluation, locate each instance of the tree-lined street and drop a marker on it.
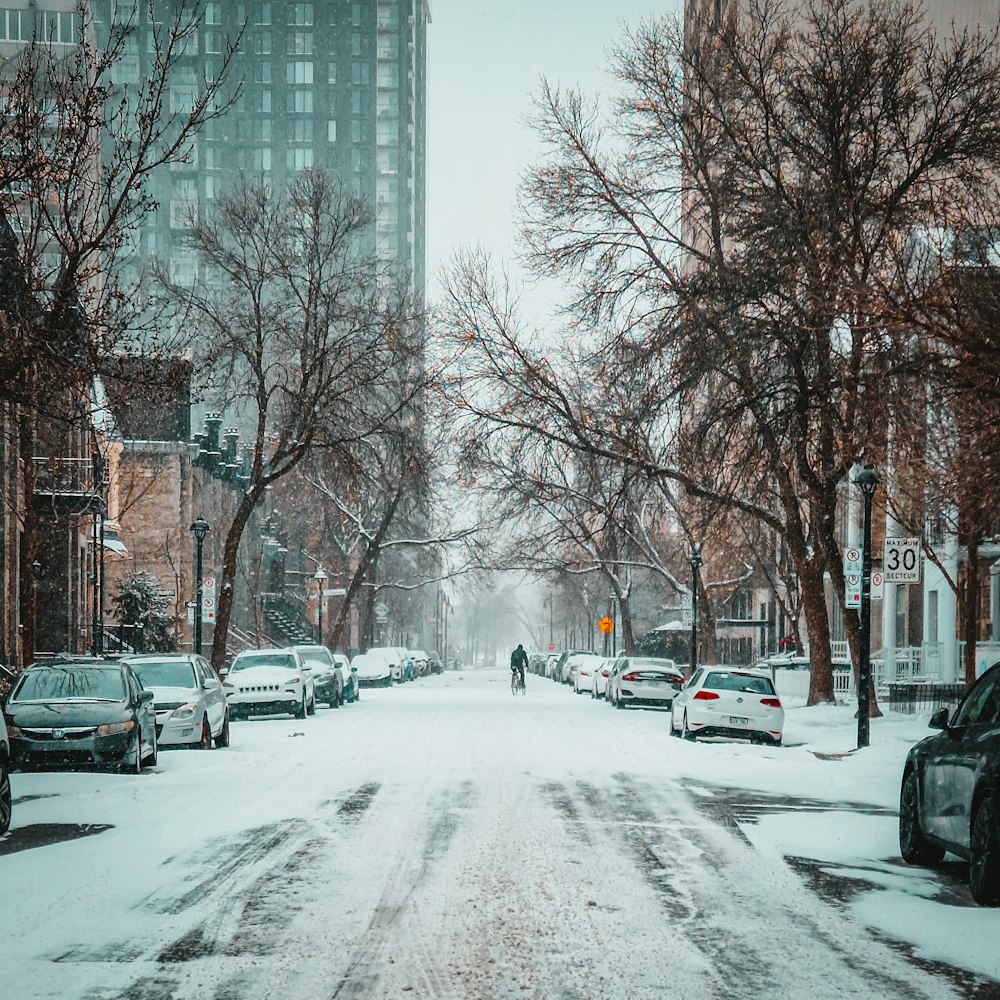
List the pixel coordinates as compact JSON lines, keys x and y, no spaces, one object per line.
{"x":445,"y":840}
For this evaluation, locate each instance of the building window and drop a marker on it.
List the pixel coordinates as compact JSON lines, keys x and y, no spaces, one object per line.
{"x":213,"y":42}
{"x":213,"y":13}
{"x":55,"y":26}
{"x":932,"y":616}
{"x":301,"y":13}
{"x":182,"y":99}
{"x":360,"y":74}
{"x":262,"y":43}
{"x":264,"y":101}
{"x":300,"y":102}
{"x":355,"y":102}
{"x":355,"y":44}
{"x":262,"y":71}
{"x":331,"y":131}
{"x":331,"y":75}
{"x":355,"y":130}
{"x":299,"y":72}
{"x":356,"y":15}
{"x":299,"y":159}
{"x":300,"y":43}
{"x":262,"y":13}
{"x":260,"y":159}
{"x":301,"y":130}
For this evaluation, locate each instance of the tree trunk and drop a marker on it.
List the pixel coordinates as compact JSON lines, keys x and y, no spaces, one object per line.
{"x":818,"y":629}
{"x":227,"y":591}
{"x":29,"y":534}
{"x":628,"y":638}
{"x":353,"y":589}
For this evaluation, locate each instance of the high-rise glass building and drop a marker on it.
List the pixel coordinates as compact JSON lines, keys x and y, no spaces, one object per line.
{"x":332,"y":84}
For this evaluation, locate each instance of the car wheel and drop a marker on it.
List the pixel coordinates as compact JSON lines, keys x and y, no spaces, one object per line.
{"x":301,"y":711}
{"x":6,"y":798}
{"x":913,"y":847}
{"x":133,"y":766}
{"x":674,"y":731}
{"x":311,"y":708}
{"x":222,"y":740}
{"x":685,"y":732}
{"x":205,"y":743}
{"x":984,"y":855}
{"x":619,"y":703}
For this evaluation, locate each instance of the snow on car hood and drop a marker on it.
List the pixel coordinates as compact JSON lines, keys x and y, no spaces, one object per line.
{"x":373,"y":666}
{"x":251,"y":676}
{"x":172,"y":695}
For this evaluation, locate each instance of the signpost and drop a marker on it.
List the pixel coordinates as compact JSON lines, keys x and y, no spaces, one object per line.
{"x":552,"y":647}
{"x":606,"y":625}
{"x":877,"y":581}
{"x":901,"y":560}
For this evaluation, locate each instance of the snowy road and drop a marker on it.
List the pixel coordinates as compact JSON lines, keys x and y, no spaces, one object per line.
{"x":440,"y":840}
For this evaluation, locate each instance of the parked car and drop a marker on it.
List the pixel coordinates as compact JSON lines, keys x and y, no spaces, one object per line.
{"x":560,"y":669}
{"x":599,"y":682}
{"x":644,"y":680}
{"x":949,"y":798}
{"x":434,"y":663}
{"x":269,"y":681}
{"x":583,"y":668}
{"x":396,"y":659}
{"x":419,"y":658}
{"x":372,"y":670}
{"x":729,"y":701}
{"x":81,"y":711}
{"x":6,"y":798}
{"x":327,"y":675}
{"x":351,"y":693}
{"x":189,"y":699}
{"x":549,"y":666}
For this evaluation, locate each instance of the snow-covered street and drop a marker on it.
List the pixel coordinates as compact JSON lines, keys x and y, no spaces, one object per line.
{"x":446,"y":840}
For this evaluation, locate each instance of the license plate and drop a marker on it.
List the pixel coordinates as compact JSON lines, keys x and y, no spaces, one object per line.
{"x":738,"y":720}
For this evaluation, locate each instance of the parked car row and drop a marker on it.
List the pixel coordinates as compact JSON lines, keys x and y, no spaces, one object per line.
{"x":717,"y":701}
{"x":383,"y":666}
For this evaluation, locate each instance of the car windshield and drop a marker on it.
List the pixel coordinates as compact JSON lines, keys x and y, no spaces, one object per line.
{"x":165,"y":673}
{"x":71,"y":683}
{"x":719,"y":680}
{"x":316,"y":657}
{"x":285,"y":660}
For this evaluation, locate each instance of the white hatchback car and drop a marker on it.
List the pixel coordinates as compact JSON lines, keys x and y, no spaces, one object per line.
{"x":644,"y":680}
{"x":599,"y":685}
{"x":190,"y":701}
{"x":268,"y":681}
{"x":729,"y":701}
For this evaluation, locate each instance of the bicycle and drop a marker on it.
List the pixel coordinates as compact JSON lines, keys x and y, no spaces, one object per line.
{"x":516,"y":682}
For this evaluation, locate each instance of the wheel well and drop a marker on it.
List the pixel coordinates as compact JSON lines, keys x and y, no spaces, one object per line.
{"x":981,"y":792}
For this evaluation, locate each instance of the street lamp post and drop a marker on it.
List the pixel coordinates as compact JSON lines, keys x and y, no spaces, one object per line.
{"x":200,"y":529}
{"x":867,"y":479}
{"x":695,"y":560}
{"x":614,"y":626}
{"x":320,"y":577}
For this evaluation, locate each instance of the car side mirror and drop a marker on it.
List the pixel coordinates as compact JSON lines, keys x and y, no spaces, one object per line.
{"x":145,"y":697}
{"x":224,"y":673}
{"x":939,"y":720}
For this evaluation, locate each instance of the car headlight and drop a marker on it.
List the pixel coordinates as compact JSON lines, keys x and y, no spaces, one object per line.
{"x":115,"y":727}
{"x":184,"y":711}
{"x":14,"y":731}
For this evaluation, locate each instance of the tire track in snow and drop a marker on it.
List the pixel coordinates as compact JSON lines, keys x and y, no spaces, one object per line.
{"x":372,"y":957}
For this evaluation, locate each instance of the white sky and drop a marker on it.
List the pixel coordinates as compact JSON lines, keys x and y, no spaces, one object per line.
{"x":485,"y":59}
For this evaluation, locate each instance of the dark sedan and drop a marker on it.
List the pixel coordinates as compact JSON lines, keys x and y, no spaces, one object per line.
{"x":70,"y":712}
{"x":949,"y":799}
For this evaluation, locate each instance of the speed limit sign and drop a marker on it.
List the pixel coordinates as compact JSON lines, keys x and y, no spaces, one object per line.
{"x":901,"y":560}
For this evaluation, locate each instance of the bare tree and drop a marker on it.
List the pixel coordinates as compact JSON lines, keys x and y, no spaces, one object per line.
{"x":310,"y":345}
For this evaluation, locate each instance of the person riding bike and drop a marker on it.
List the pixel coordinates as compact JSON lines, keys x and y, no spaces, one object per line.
{"x":519,"y":663}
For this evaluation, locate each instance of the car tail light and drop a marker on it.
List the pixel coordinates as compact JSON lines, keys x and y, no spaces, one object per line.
{"x":771,"y":702}
{"x":706,"y":696}
{"x":630,"y":676}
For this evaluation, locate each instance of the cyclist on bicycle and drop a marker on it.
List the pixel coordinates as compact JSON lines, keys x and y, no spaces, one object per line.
{"x":518,"y":663}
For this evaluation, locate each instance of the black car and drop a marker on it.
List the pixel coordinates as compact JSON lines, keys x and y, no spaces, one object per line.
{"x":949,"y":799}
{"x":78,"y":711}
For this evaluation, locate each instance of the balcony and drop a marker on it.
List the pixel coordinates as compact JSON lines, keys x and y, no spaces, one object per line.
{"x":69,"y":485}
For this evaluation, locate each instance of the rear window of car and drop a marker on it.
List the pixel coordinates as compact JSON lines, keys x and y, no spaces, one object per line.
{"x":264,"y":660}
{"x":165,"y":673}
{"x":650,"y":661}
{"x":316,"y":656}
{"x":71,"y":683}
{"x":720,"y":680}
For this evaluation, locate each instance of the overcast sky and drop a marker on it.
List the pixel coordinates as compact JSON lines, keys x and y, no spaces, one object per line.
{"x":484,"y":61}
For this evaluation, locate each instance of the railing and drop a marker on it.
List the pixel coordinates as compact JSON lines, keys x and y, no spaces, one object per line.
{"x":66,"y":476}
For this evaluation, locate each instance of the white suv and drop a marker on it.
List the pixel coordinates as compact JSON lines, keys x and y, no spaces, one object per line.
{"x":267,"y":681}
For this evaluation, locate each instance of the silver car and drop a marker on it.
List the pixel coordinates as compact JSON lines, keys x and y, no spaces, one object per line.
{"x":644,"y":680}
{"x":190,"y":701}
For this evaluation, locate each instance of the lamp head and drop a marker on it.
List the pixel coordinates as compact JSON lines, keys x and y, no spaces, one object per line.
{"x":868,"y":479}
{"x":319,"y":576}
{"x":200,"y":528}
{"x":695,"y":558}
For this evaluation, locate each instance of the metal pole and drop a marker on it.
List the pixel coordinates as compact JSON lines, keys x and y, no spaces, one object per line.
{"x":614,"y":626}
{"x":319,"y":607}
{"x":94,"y":619}
{"x":551,"y":639}
{"x":198,"y":600}
{"x":864,"y":666}
{"x":100,"y":589}
{"x":695,"y":561}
